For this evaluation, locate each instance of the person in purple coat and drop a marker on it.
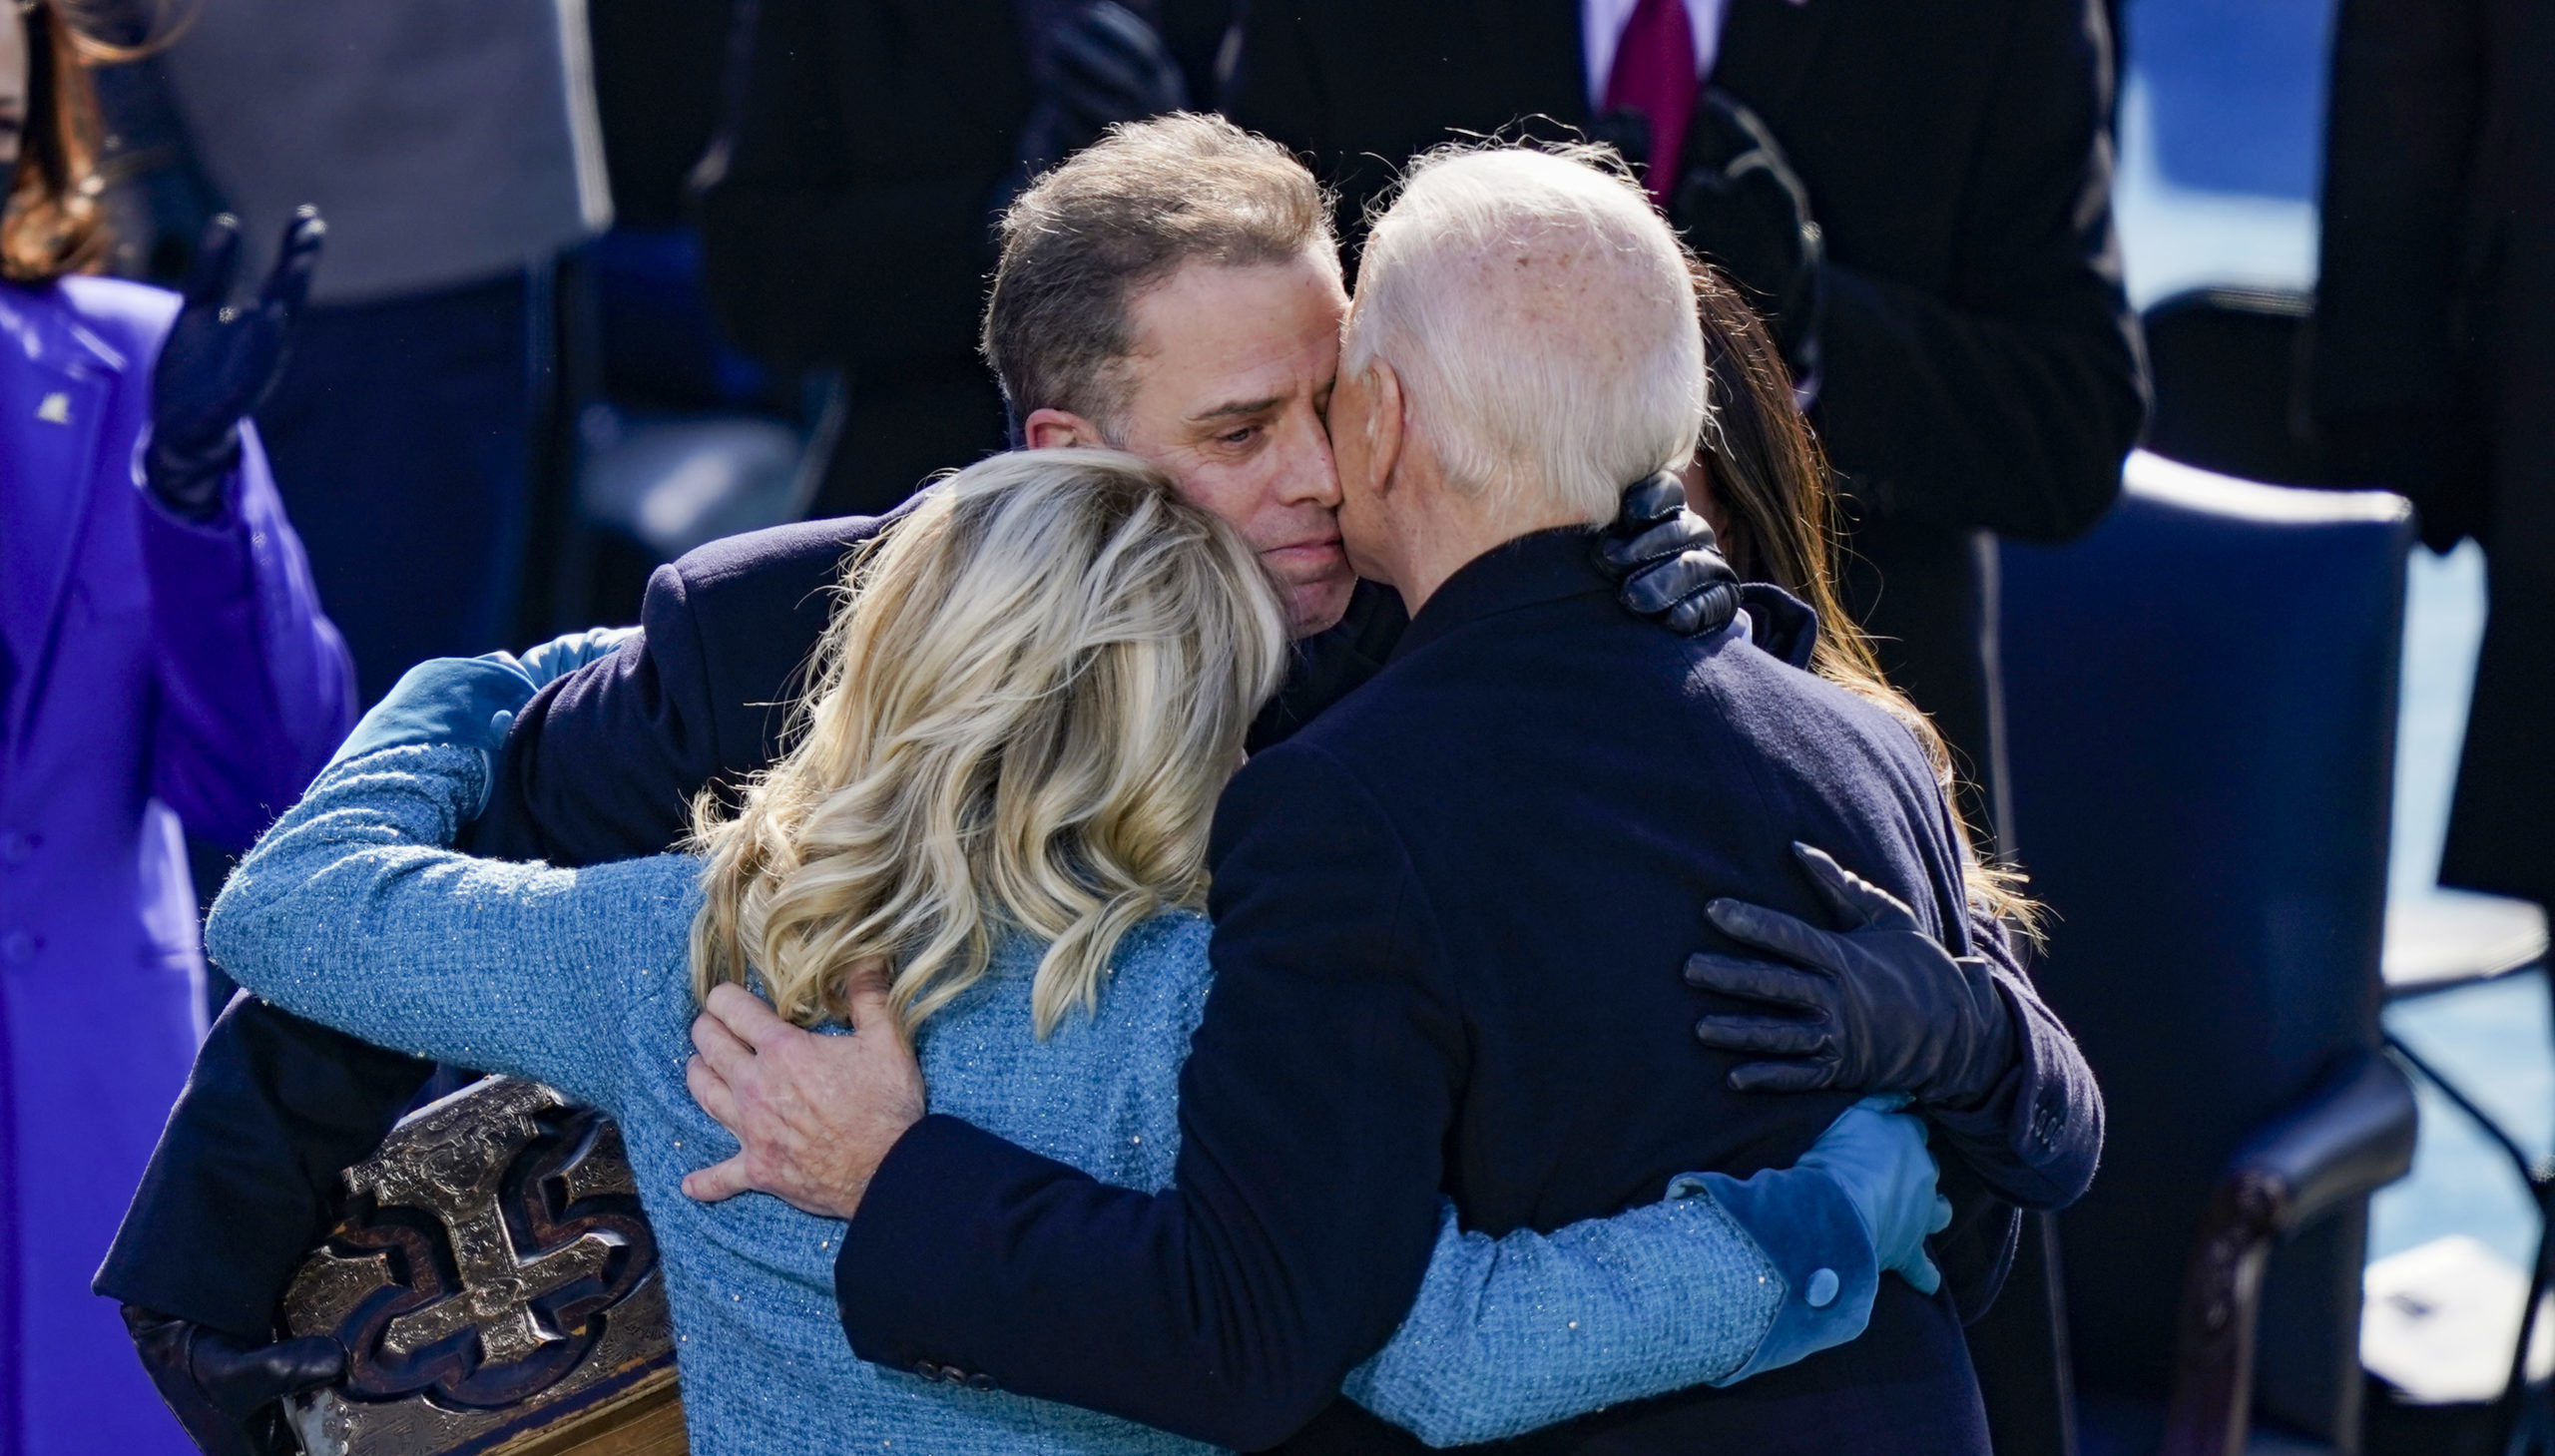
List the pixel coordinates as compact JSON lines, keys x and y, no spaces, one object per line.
{"x":163,"y":668}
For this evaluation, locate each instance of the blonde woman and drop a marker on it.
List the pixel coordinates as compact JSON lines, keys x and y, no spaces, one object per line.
{"x":990,"y":836}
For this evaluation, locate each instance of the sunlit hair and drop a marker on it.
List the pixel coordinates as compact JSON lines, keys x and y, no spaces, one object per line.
{"x":1120,"y":216}
{"x":1540,"y":316}
{"x":1779,"y":507}
{"x":1031,"y":694}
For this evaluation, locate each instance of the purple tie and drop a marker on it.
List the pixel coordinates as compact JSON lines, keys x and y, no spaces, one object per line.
{"x":1654,"y":73}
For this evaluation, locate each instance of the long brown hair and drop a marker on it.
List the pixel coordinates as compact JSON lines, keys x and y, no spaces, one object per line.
{"x":55,"y":223}
{"x":1778,"y":514}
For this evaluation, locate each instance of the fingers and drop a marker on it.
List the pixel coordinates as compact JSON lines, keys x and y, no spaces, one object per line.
{"x":1857,"y":902}
{"x":299,"y":257}
{"x":1808,"y":1076}
{"x":865,"y":992}
{"x":726,"y":1053}
{"x":1942,"y":1218}
{"x":304,"y":1364}
{"x":1884,"y":1102}
{"x":745,"y":1013}
{"x":1756,"y":980}
{"x":714,"y":1093}
{"x":1781,"y":1036}
{"x":1920,"y":1274}
{"x":719,"y":1181}
{"x":1771,"y":930}
{"x":217,"y":258}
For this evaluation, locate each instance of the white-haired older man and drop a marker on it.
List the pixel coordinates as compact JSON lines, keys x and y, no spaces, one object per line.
{"x":1425,"y":986}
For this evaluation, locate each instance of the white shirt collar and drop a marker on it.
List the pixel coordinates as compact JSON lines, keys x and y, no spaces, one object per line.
{"x":1601,"y":31}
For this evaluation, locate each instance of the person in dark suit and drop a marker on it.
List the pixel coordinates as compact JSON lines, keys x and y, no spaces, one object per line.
{"x":1920,"y":192}
{"x":2433,"y":364}
{"x":849,"y":212}
{"x":1395,"y":888}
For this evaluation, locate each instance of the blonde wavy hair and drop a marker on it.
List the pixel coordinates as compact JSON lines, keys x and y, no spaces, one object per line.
{"x":1029,"y":698}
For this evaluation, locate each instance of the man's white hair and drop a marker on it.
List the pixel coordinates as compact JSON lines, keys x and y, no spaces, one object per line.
{"x":1541,"y":317}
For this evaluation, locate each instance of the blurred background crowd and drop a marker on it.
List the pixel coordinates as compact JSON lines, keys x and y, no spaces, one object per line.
{"x":605,"y":283}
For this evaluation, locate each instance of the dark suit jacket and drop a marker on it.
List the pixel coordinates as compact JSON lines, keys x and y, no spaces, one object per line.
{"x":1427,"y":980}
{"x":2432,"y":369}
{"x":852,"y":223}
{"x":1982,"y":365}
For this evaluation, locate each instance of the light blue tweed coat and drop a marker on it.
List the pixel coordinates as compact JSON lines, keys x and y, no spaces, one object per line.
{"x":351,"y":912}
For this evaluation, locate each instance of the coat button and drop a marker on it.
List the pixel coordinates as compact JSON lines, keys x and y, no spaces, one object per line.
{"x":1822,"y":1292}
{"x":17,"y":947}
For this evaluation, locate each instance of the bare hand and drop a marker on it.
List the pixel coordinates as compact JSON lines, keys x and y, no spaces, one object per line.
{"x":815,"y":1115}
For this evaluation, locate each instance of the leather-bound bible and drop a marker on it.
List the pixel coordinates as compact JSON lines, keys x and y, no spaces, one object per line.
{"x":496,"y":1288}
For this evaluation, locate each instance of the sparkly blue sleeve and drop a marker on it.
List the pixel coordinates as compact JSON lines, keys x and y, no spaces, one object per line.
{"x":1517,"y":1332}
{"x":351,"y":912}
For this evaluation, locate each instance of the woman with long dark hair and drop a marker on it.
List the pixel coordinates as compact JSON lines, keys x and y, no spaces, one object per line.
{"x":164,"y":669}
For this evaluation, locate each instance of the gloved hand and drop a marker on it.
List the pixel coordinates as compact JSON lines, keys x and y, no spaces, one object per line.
{"x":1877,"y":1156}
{"x":226,"y":1391}
{"x":464,"y":703}
{"x":219,"y":363}
{"x":1665,"y":561}
{"x":560,"y":655}
{"x":1105,"y":65}
{"x":1881,"y":1007}
{"x":1743,"y":207}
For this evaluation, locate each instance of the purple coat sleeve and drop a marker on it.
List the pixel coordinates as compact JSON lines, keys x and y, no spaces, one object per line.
{"x":256,"y":687}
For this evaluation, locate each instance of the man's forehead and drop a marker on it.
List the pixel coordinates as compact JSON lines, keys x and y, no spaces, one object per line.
{"x":1217,"y":339}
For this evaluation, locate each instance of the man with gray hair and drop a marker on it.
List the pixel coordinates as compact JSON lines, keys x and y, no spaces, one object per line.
{"x":1397,"y":884}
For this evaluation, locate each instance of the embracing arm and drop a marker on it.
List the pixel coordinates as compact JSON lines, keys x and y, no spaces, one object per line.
{"x":1725,"y":1280}
{"x":2037,"y":1135}
{"x":604,"y":764}
{"x":351,"y":912}
{"x":1305,"y":1204}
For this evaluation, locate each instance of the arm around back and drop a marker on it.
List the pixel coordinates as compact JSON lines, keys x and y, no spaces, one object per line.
{"x":1304,"y":1202}
{"x":604,"y":764}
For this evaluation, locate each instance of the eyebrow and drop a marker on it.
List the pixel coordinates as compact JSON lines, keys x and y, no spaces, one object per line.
{"x":1238,"y":410}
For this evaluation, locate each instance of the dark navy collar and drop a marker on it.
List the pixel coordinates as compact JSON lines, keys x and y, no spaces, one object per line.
{"x":1545,"y":566}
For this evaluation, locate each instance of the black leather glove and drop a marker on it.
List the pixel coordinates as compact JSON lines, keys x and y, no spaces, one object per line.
{"x":1105,"y":65}
{"x":225,"y":1391}
{"x":1742,"y":206}
{"x":1665,"y":562}
{"x":219,"y":363}
{"x":1881,"y":1007}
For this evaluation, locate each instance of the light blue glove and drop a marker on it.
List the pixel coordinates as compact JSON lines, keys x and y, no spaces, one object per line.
{"x":1857,"y":1205}
{"x":1877,"y":1156}
{"x":466,"y":703}
{"x":560,"y":655}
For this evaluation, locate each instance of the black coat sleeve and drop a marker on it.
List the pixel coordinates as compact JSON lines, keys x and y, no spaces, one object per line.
{"x":1312,"y":1111}
{"x":2035,"y":1139}
{"x":852,"y":222}
{"x":2010,"y":401}
{"x":246,"y":1171}
{"x":602,"y":765}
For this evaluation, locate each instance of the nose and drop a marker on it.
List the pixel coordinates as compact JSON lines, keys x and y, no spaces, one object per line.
{"x":1308,"y":476}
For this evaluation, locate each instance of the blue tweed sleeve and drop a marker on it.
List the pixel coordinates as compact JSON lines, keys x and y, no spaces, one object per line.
{"x":1517,"y":1332}
{"x":351,"y":912}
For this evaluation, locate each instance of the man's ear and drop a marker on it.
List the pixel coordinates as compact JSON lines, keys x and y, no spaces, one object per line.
{"x":1055,"y":429}
{"x":1385,"y":427}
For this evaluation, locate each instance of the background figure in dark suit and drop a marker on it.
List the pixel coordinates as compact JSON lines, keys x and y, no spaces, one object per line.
{"x":1976,"y":364}
{"x":850,"y":216}
{"x":452,"y":147}
{"x":2432,"y":369}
